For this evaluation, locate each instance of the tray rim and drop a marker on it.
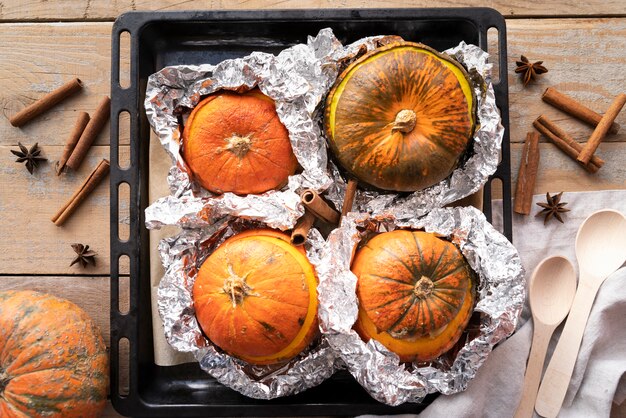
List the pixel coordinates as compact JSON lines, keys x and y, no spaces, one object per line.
{"x":126,"y":326}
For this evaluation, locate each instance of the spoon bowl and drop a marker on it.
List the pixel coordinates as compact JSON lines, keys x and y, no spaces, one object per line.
{"x":601,"y":243}
{"x":600,"y":250}
{"x":551,"y":291}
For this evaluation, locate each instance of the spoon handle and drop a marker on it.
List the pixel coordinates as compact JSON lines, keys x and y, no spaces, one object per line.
{"x":559,"y":372}
{"x":532,"y":377}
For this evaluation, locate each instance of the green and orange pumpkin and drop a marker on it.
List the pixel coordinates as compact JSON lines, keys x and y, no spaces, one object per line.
{"x":415,"y":293}
{"x":53,"y":361}
{"x":235,"y":142}
{"x":255,"y":297}
{"x":400,"y":117}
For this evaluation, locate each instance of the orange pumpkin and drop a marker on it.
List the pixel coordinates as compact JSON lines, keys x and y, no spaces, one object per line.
{"x":256,"y":297}
{"x":415,"y":293}
{"x":53,"y":361}
{"x":400,"y":117}
{"x":236,"y":143}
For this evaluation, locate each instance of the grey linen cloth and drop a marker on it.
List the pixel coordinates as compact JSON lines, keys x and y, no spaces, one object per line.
{"x":599,"y":375}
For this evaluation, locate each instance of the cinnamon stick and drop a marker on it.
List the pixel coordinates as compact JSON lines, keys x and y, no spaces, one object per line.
{"x":571,"y":106}
{"x":314,"y":202}
{"x":565,"y":142}
{"x":527,"y":174}
{"x":93,"y":128}
{"x":90,"y":183}
{"x":46,"y":102}
{"x":348,"y":198}
{"x":603,"y":127}
{"x":79,"y":127}
{"x":301,"y":230}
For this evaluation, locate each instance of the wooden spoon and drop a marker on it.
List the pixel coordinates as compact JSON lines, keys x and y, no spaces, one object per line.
{"x":551,"y":291}
{"x":600,"y":250}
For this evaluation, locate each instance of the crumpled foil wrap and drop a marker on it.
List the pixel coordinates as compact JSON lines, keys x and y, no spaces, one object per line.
{"x":500,"y":298}
{"x":471,"y":174}
{"x":182,"y":256}
{"x":297,"y":80}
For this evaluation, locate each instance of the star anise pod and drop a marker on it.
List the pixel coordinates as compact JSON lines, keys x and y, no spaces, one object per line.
{"x":553,"y":207}
{"x":84,"y":255}
{"x":31,"y":156}
{"x":529,"y":70}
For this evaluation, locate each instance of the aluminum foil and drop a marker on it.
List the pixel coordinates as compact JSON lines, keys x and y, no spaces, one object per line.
{"x":500,"y":298}
{"x":469,"y":177}
{"x":182,"y":256}
{"x":297,"y":80}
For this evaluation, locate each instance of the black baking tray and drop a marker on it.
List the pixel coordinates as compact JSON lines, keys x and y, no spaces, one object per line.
{"x":194,"y":37}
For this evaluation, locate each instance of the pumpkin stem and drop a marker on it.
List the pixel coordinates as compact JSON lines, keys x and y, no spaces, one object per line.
{"x":405,"y":121}
{"x":239,"y":145}
{"x":236,"y":287}
{"x":4,"y":380}
{"x":423,"y":287}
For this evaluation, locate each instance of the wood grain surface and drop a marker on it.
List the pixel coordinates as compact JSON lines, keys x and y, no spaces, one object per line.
{"x":45,"y":43}
{"x":49,"y":55}
{"x":31,"y":243}
{"x":99,"y":10}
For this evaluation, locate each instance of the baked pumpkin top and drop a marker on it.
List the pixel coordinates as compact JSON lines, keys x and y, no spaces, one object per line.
{"x":411,"y":284}
{"x":236,"y":143}
{"x":256,"y":297}
{"x":400,"y":117}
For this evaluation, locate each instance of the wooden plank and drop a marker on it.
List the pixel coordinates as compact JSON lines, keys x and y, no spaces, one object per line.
{"x":585,"y":59}
{"x":92,"y":294}
{"x":589,"y":68}
{"x":86,"y":9}
{"x":557,"y":172}
{"x":49,"y":55}
{"x":31,"y":243}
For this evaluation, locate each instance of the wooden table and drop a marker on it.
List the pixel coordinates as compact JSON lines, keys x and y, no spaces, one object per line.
{"x":45,"y":43}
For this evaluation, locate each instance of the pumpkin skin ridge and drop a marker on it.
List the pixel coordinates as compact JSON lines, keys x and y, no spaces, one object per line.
{"x":389,"y":278}
{"x":19,"y":364}
{"x":398,"y":183}
{"x":18,"y":370}
{"x":436,"y":301}
{"x":405,"y":265}
{"x":264,"y":335}
{"x":256,"y":171}
{"x":47,"y":402}
{"x":265,"y":157}
{"x":12,"y":412}
{"x":308,"y":328}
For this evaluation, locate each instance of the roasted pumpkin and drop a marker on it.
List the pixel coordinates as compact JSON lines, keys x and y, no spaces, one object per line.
{"x":256,"y":297}
{"x":236,"y":143}
{"x":400,"y":117}
{"x":415,"y":292}
{"x":53,"y":361}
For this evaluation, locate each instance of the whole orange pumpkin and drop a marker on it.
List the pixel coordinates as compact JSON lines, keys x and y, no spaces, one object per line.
{"x":415,"y":293}
{"x":236,"y":143}
{"x":400,"y":117}
{"x":53,"y":361}
{"x":256,"y":297}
